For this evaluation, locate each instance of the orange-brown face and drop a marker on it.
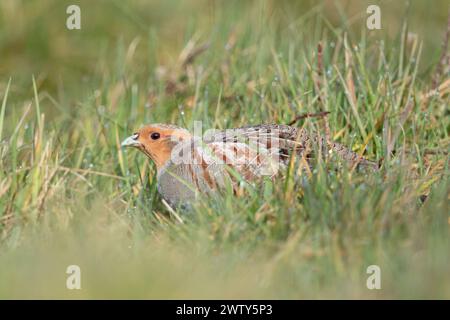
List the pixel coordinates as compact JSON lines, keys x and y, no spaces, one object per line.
{"x":156,"y":141}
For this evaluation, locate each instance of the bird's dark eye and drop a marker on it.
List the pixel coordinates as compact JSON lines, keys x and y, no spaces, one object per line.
{"x":155,"y":136}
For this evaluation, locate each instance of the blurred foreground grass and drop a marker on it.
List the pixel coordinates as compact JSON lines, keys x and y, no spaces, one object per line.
{"x":70,"y":195}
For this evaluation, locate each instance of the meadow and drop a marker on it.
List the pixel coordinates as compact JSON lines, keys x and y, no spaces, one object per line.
{"x":70,"y":195}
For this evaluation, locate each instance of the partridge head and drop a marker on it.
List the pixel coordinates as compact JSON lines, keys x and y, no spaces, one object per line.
{"x":157,"y":141}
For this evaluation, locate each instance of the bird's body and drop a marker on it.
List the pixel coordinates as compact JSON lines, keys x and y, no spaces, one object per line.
{"x":188,"y":165}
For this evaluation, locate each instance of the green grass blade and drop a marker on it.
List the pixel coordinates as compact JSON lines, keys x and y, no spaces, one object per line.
{"x":2,"y":112}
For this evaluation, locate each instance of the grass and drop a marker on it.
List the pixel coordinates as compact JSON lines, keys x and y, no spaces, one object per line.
{"x":71,"y":195}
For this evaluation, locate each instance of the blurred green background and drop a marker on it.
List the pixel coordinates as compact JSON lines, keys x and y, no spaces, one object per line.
{"x":70,"y":195}
{"x":34,"y":39}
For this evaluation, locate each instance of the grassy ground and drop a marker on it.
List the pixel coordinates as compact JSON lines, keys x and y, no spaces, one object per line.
{"x":70,"y":195}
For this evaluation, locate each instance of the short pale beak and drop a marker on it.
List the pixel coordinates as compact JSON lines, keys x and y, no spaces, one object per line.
{"x":131,"y":141}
